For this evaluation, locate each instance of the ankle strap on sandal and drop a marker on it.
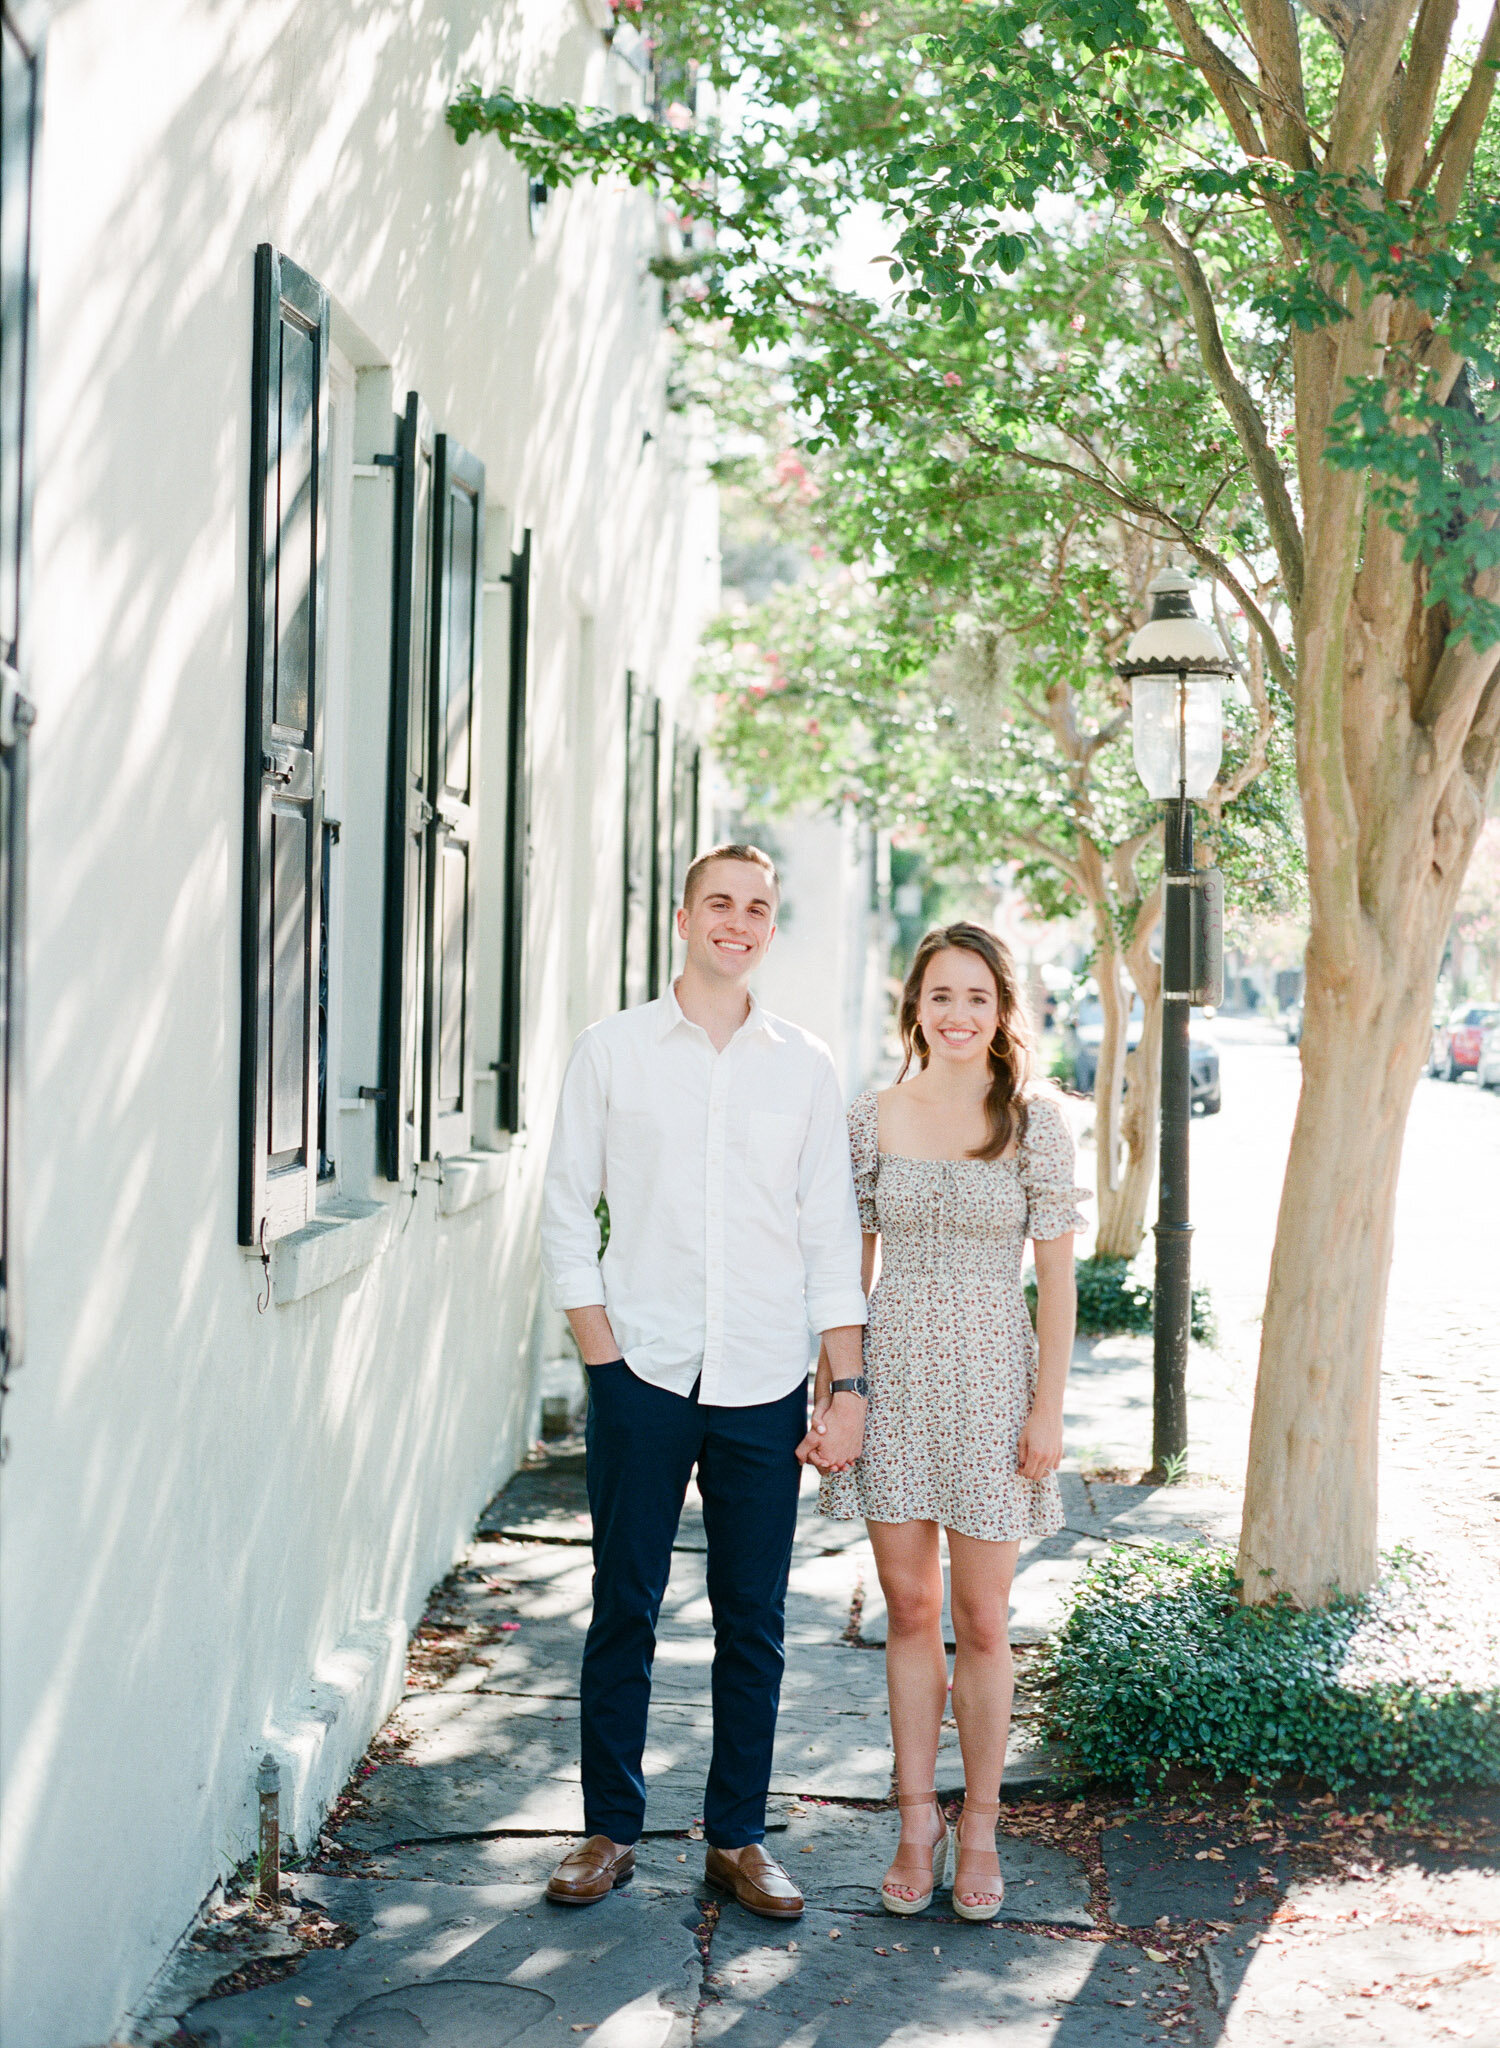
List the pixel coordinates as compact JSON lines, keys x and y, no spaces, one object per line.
{"x":919,"y":1798}
{"x":981,"y":1812}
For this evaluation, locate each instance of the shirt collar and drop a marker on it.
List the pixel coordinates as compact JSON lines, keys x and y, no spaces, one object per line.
{"x":670,"y":1015}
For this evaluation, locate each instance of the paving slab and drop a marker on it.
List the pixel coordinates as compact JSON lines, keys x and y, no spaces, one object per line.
{"x":1046,"y":1572}
{"x":1164,"y":1514}
{"x":473,"y":1967}
{"x":1153,"y":1869}
{"x":837,"y":1854}
{"x":663,"y":1864}
{"x":954,"y":1984}
{"x":550,"y":1503}
{"x":479,"y":1763}
{"x":485,"y":1762}
{"x":547,"y":1590}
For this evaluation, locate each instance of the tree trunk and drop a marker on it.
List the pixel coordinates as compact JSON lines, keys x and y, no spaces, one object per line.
{"x":1397,"y":741}
{"x":1109,"y":1080}
{"x":1122,"y":1224}
{"x":1122,"y":1208}
{"x":1311,"y":1486}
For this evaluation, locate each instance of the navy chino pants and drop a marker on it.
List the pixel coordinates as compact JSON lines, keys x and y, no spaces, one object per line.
{"x":642,"y":1444}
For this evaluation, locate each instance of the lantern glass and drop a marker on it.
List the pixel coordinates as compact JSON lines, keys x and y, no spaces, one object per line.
{"x":1177,"y":730}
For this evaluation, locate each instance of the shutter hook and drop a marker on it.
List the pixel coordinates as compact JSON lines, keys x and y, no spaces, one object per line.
{"x":261,"y":1305}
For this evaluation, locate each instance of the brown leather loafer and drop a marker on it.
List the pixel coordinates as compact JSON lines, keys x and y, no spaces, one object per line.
{"x":756,"y":1880}
{"x":590,"y":1872}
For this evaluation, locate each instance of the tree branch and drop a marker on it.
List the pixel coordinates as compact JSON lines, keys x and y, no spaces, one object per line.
{"x":1235,"y":92}
{"x":1416,"y":96}
{"x":1370,"y":62}
{"x":1244,"y":414}
{"x":1161,"y":520}
{"x":1453,"y":154}
{"x":1273,"y":37}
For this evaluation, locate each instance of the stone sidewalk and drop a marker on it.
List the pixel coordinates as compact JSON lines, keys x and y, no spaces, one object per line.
{"x":421,"y":1919}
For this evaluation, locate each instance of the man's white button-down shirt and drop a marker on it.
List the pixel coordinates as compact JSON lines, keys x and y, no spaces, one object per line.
{"x":732,"y":1221}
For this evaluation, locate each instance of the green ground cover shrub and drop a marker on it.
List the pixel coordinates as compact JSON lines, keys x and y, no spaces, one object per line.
{"x":1114,"y":1302}
{"x":1158,"y":1665}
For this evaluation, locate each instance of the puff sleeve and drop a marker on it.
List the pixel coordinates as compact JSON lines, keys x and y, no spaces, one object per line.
{"x":864,"y":1153}
{"x":1046,"y":1173}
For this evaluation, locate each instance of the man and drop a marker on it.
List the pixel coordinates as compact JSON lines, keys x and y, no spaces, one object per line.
{"x":716,"y":1133}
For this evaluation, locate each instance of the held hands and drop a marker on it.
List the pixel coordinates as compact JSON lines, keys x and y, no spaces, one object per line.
{"x":1039,"y":1450}
{"x":837,"y":1435}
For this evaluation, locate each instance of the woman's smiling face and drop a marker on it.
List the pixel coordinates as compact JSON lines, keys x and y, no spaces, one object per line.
{"x":958,"y":1012}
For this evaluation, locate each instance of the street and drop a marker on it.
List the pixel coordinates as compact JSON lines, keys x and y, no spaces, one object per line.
{"x":1440,"y":1402}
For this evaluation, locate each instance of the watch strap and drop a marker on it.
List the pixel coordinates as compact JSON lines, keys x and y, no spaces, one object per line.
{"x":860,"y":1386}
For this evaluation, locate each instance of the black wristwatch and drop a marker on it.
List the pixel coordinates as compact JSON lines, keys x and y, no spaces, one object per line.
{"x":861,"y":1386}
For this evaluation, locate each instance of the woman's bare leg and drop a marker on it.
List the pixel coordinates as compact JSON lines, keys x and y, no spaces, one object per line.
{"x":983,"y":1673}
{"x":916,"y":1666}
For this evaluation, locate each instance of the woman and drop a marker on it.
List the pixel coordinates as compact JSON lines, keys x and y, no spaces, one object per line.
{"x":955,"y":1166}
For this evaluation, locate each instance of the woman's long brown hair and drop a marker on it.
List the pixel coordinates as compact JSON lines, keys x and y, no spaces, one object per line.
{"x":1010,"y":1048}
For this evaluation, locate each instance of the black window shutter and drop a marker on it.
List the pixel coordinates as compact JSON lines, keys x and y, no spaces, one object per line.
{"x":457,"y":586}
{"x":682,"y":835}
{"x":283,"y":779}
{"x":508,"y":1093}
{"x":21,"y":86}
{"x":409,"y":797}
{"x":640,"y":951}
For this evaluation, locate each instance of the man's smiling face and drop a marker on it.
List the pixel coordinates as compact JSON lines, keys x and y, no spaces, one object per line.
{"x":730,"y":921}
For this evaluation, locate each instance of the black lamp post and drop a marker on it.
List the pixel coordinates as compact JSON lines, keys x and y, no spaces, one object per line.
{"x":1176,"y":667}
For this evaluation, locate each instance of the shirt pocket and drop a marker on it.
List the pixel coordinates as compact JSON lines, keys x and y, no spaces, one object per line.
{"x":773,"y":1149}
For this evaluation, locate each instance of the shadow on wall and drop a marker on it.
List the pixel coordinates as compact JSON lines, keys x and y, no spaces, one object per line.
{"x":201,"y":1502}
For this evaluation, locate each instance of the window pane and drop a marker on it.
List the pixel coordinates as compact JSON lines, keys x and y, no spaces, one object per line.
{"x":296,"y":549}
{"x":459,"y":680}
{"x":454,"y":936}
{"x":288,"y":981}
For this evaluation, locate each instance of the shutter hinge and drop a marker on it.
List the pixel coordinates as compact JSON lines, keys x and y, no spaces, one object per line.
{"x":17,"y":712}
{"x":373,"y":1094}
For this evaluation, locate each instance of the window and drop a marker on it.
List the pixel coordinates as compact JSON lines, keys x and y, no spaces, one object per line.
{"x":509,"y":1100}
{"x":283,"y":865}
{"x":641,"y":964}
{"x":457,"y":578}
{"x":681,"y":838}
{"x":337,"y":667}
{"x":409,"y":805}
{"x":426,"y":1055}
{"x":21,"y":79}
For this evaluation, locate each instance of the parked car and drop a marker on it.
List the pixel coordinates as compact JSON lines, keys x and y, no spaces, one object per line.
{"x":1455,"y":1045}
{"x":1087,"y":1030}
{"x":1487,"y":1073}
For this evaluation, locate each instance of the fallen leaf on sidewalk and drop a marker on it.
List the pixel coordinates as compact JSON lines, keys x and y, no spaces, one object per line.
{"x":1157,"y":1955}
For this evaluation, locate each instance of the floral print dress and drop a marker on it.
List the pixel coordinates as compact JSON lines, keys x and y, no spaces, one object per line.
{"x":949,"y":1352}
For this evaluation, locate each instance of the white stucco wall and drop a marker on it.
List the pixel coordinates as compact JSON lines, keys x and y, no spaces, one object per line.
{"x":218,"y":1524}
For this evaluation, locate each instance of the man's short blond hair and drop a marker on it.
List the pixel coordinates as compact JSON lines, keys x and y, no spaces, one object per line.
{"x":732,"y":850}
